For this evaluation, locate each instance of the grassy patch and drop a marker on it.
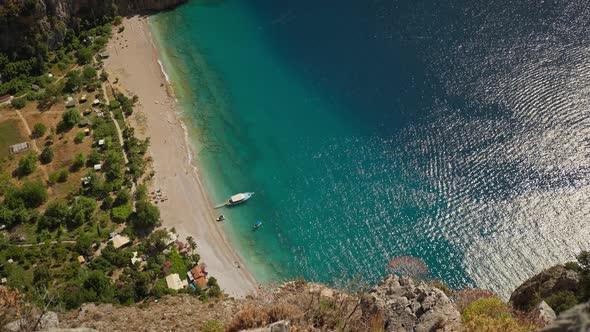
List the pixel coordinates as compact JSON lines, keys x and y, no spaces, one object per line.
{"x":9,"y":134}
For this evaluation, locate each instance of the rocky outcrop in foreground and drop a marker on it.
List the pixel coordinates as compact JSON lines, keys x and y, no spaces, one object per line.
{"x":408,"y":307}
{"x":555,"y":279}
{"x":576,"y":319}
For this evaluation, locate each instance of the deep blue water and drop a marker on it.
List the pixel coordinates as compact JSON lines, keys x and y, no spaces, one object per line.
{"x":454,"y":132}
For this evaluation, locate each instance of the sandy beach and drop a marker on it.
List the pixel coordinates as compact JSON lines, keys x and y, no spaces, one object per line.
{"x":134,"y":60}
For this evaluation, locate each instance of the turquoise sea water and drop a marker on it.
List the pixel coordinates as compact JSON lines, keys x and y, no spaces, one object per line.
{"x":372,"y":130}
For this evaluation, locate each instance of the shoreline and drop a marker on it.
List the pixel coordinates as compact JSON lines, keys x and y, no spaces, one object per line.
{"x":136,"y":60}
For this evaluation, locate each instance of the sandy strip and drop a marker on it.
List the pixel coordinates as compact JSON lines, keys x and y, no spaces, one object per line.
{"x":133,"y":59}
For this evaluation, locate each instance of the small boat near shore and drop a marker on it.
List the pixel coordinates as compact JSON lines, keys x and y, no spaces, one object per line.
{"x":257,"y":224}
{"x":238,"y":199}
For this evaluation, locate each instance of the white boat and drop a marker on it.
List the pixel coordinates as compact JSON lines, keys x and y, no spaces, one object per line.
{"x":238,"y":199}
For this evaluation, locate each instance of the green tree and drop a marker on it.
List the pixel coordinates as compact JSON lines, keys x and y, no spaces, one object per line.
{"x":562,"y":301}
{"x":69,"y":119}
{"x":73,"y":80}
{"x":82,"y":211}
{"x":89,"y":73}
{"x":78,"y":162}
{"x":84,"y":55}
{"x":121,"y":213}
{"x":39,"y":130}
{"x":114,"y":165}
{"x":104,"y":75}
{"x":123,"y":197}
{"x":94,"y":157}
{"x":55,"y":215}
{"x":99,"y":287}
{"x":79,"y":137}
{"x":41,"y":275}
{"x":63,"y":176}
{"x":33,"y":194}
{"x":107,"y":203}
{"x":46,"y":156}
{"x":28,"y":163}
{"x":18,"y":103}
{"x":83,"y":244}
{"x":119,"y":258}
{"x":146,"y":215}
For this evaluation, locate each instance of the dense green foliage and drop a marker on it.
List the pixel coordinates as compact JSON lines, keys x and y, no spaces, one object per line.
{"x":39,"y":130}
{"x":69,"y":119}
{"x":90,"y":205}
{"x":46,"y":156}
{"x":27,"y":164}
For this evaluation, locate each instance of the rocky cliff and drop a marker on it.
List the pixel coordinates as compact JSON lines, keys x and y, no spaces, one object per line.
{"x":25,"y":23}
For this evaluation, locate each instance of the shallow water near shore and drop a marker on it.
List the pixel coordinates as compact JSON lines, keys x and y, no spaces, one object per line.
{"x":454,"y":133}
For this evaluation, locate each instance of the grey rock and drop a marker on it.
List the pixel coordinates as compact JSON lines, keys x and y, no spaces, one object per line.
{"x":546,"y":314}
{"x":280,"y":326}
{"x":550,"y":281}
{"x":48,"y":321}
{"x":576,"y":319}
{"x":406,"y":307}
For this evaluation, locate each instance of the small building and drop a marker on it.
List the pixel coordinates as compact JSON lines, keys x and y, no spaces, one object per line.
{"x":50,"y":75}
{"x":87,"y":131}
{"x":5,"y":98}
{"x":91,"y":87}
{"x":3,"y":280}
{"x":135,"y":259}
{"x":173,"y":281}
{"x":35,"y":87}
{"x":100,"y":142}
{"x":10,"y":261}
{"x":83,"y":99}
{"x":83,"y":123}
{"x":85,"y":180}
{"x":200,"y":276}
{"x":96,"y":102}
{"x":70,"y":103}
{"x":87,"y":111}
{"x":104,"y":55}
{"x":20,"y":147}
{"x":120,"y":241}
{"x":97,"y":167}
{"x":81,"y":259}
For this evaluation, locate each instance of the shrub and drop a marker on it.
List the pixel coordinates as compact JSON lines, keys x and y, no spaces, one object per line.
{"x":490,"y":307}
{"x":18,"y":103}
{"x":33,"y":194}
{"x":89,"y":73}
{"x":123,"y":197}
{"x":469,"y":295}
{"x":84,"y":55}
{"x":120,"y":214}
{"x":28,"y":163}
{"x":46,"y":156}
{"x":212,"y":326}
{"x":39,"y":130}
{"x":79,"y":137}
{"x":94,"y":157}
{"x":248,"y":318}
{"x":63,"y":176}
{"x":73,"y":80}
{"x":562,"y":301}
{"x":146,"y":215}
{"x":117,"y":20}
{"x":78,"y":162}
{"x":104,"y":75}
